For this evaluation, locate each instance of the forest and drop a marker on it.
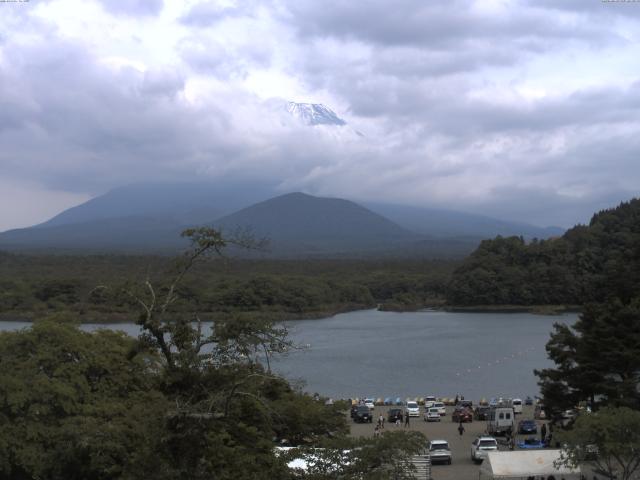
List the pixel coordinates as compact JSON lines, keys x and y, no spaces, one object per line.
{"x":589,"y":263}
{"x":94,"y":287}
{"x":584,"y":265}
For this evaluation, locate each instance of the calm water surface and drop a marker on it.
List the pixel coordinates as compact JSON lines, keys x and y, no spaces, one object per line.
{"x":387,"y":354}
{"x":380,"y":354}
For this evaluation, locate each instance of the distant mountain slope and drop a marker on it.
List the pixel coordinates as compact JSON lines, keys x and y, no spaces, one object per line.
{"x":297,"y":225}
{"x":186,"y":203}
{"x":127,"y":234}
{"x":149,"y":217}
{"x":448,"y":223}
{"x":306,"y":223}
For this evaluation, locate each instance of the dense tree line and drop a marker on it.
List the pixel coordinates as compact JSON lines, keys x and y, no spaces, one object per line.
{"x":597,"y":360}
{"x":587,"y":264}
{"x":33,"y":286}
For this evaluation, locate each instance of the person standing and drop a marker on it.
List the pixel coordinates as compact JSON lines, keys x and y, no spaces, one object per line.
{"x":543,"y":432}
{"x":460,"y":429}
{"x":406,"y":419}
{"x":381,"y":421}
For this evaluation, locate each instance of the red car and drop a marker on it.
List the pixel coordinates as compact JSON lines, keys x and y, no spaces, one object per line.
{"x":462,"y":414}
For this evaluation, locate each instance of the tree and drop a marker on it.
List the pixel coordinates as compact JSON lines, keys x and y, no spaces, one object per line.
{"x":388,"y":456}
{"x":597,"y":360}
{"x":73,"y":405}
{"x":609,"y":440}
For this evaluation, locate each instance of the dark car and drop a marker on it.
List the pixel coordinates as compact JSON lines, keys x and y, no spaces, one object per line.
{"x":527,"y":427}
{"x":394,"y":414}
{"x":462,"y":414}
{"x":528,"y":401}
{"x":363,"y":415}
{"x":481,"y":412}
{"x":354,"y":409}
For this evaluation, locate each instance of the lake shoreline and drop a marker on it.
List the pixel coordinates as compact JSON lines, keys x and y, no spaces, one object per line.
{"x":115,"y":318}
{"x":119,"y":317}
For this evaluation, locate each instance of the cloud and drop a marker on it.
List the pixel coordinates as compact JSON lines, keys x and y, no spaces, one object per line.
{"x":455,"y":24}
{"x":26,"y":204}
{"x":133,"y":7}
{"x":208,"y":13}
{"x":526,"y":110}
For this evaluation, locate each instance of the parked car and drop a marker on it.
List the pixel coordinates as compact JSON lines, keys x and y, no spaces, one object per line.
{"x":462,"y":414}
{"x":394,"y":414}
{"x":481,"y":412}
{"x":363,"y":414}
{"x":527,"y":427}
{"x":432,"y":415}
{"x":516,"y":403}
{"x":369,"y":403}
{"x":441,"y":408}
{"x":481,"y":446}
{"x":413,"y":409}
{"x":528,"y":401}
{"x":429,"y":400}
{"x":439,"y":451}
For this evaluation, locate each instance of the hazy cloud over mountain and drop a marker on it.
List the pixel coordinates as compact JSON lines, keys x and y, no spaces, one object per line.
{"x":522,"y":109}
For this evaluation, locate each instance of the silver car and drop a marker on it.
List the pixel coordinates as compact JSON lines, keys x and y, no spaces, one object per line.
{"x":481,"y":446}
{"x":439,"y":451}
{"x":432,"y":415}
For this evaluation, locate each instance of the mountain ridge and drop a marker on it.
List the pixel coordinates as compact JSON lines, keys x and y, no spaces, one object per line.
{"x":149,"y":217}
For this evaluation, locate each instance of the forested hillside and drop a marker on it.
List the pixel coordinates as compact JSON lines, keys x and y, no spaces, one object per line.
{"x":587,"y":264}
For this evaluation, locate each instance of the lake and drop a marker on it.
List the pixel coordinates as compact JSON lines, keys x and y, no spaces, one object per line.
{"x":381,"y":354}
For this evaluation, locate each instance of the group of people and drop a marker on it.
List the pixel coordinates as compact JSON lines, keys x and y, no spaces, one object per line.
{"x":381,"y":421}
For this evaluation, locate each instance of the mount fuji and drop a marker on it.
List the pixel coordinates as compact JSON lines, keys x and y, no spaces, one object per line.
{"x":314,"y":114}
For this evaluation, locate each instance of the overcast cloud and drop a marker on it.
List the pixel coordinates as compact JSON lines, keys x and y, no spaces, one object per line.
{"x":525,"y":110}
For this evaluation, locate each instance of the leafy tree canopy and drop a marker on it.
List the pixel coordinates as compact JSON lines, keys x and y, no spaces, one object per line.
{"x":587,"y":264}
{"x":608,"y":440}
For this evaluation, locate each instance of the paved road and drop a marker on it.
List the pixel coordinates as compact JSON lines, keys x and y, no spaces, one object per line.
{"x":462,"y":468}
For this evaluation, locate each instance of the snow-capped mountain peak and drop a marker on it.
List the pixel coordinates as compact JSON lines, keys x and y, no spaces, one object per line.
{"x":314,"y":114}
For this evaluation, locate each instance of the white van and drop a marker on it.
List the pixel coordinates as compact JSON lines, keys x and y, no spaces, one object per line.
{"x":429,"y":400}
{"x":516,"y":403}
{"x":500,"y":421}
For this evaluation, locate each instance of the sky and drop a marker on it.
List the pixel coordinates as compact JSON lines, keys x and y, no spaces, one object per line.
{"x":524,"y":110}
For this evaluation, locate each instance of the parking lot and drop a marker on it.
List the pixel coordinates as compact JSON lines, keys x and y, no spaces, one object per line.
{"x":462,"y":468}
